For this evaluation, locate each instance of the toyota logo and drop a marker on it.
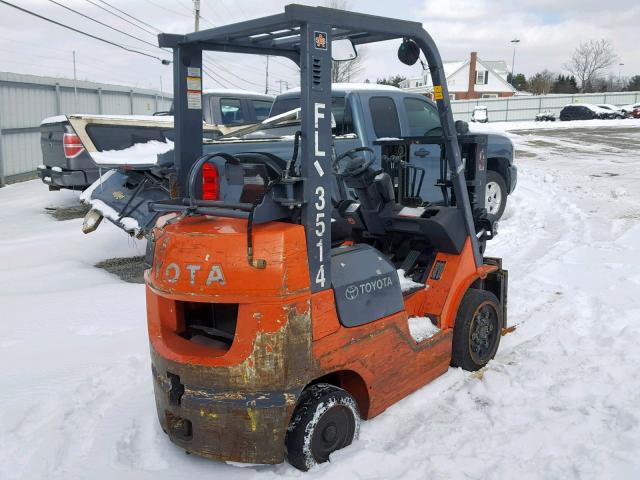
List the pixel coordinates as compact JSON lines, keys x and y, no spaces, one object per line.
{"x":351,"y":292}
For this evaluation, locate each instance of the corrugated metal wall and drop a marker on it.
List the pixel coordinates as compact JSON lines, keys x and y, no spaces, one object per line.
{"x":25,"y":100}
{"x":525,"y":108}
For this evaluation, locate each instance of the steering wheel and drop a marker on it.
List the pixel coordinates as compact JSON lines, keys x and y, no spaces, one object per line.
{"x":352,"y":155}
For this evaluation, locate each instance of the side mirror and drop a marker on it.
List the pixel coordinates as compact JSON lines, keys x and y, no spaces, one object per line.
{"x":462,"y":127}
{"x":343,"y":50}
{"x":408,"y":52}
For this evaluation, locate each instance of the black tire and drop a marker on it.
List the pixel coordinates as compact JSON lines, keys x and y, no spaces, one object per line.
{"x":496,"y":207}
{"x":326,"y":419}
{"x":477,"y":331}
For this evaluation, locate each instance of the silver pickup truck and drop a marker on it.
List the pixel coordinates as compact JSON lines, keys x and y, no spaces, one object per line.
{"x":66,"y":163}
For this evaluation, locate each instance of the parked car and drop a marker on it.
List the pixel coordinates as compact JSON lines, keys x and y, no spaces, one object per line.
{"x":584,"y":111}
{"x":66,"y":164}
{"x":612,"y":108}
{"x":628,"y":109}
{"x":480,"y":114}
{"x":546,"y":116}
{"x":636,"y":113}
{"x":393,"y":123}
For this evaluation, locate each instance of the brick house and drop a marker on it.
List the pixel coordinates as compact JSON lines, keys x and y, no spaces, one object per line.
{"x":472,"y":78}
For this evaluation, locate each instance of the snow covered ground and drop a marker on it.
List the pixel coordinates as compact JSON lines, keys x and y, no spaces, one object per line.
{"x":560,"y":401}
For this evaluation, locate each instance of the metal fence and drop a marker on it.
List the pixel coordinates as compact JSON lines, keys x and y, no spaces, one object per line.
{"x":25,"y":100}
{"x":525,"y":108}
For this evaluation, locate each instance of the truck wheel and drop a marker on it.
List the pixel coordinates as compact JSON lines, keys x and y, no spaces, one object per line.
{"x":495,"y":194}
{"x":476,"y":333}
{"x":326,"y":419}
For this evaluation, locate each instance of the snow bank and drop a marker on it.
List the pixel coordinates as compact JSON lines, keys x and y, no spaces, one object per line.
{"x":138,"y":154}
{"x":559,"y":401}
{"x":557,"y":125}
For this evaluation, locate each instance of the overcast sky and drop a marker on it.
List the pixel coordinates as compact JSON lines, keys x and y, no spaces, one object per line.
{"x":548,"y":30}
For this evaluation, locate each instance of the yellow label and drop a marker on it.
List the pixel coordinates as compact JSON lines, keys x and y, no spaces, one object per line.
{"x":437,"y":92}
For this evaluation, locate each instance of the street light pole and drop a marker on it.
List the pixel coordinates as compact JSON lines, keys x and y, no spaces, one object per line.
{"x":620,"y":65}
{"x":515,"y":41}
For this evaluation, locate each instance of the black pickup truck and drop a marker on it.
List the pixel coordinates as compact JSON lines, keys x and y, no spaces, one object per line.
{"x":397,"y":127}
{"x":66,"y":163}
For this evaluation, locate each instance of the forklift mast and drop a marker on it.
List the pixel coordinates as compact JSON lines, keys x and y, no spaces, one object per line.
{"x":304,"y":35}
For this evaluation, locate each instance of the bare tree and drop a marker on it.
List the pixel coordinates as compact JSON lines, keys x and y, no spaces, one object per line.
{"x":541,"y":82}
{"x":590,"y":59}
{"x":346,"y":71}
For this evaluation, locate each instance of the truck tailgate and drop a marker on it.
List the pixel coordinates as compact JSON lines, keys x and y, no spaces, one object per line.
{"x":51,"y":143}
{"x":101,"y":133}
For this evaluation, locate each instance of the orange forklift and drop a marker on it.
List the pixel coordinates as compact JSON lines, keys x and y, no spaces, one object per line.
{"x":277,"y":319}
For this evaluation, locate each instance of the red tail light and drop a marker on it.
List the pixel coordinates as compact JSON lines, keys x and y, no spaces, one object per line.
{"x":72,"y":145}
{"x":210,"y":184}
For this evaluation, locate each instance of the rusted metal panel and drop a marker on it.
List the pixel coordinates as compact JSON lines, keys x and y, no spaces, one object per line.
{"x":238,"y":412}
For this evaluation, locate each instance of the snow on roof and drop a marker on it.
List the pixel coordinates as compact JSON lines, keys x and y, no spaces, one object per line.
{"x":590,"y":106}
{"x":347,"y":87}
{"x":498,"y":66}
{"x":449,"y":69}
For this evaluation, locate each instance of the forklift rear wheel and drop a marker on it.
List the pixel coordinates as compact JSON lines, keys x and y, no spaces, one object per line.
{"x":326,"y":419}
{"x":476,"y":333}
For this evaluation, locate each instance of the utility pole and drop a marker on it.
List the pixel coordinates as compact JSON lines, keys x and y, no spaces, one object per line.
{"x":515,"y":41}
{"x":196,"y":11}
{"x":280,"y":82}
{"x":75,"y":84}
{"x":620,"y":65}
{"x":266,"y":78}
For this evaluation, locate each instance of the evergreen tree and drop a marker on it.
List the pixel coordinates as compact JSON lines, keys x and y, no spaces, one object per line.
{"x":518,"y":81}
{"x":393,"y":80}
{"x":634,"y":84}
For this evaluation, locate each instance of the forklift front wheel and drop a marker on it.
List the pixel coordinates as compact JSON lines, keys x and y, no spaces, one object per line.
{"x":326,"y":419}
{"x":476,"y":333}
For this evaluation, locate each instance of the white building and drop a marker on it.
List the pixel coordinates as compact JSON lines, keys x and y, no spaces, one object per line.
{"x":472,"y":78}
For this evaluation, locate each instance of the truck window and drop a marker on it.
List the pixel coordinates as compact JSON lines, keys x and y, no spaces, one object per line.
{"x":385,"y":117}
{"x":261,"y":109}
{"x":341,"y":114}
{"x":421,"y":116}
{"x":231,"y":111}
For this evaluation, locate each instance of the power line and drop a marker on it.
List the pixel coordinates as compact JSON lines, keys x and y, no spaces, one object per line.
{"x":120,"y":16}
{"x":102,"y":23}
{"x":130,"y":16}
{"x":221,"y":67}
{"x":80,"y":31}
{"x":175,"y":12}
{"x":212,"y":76}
